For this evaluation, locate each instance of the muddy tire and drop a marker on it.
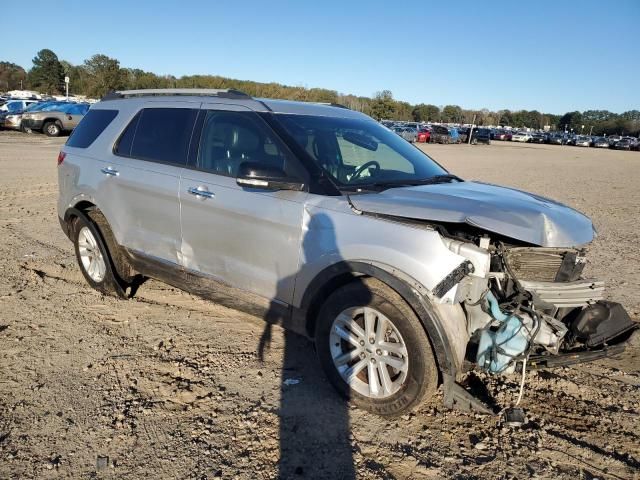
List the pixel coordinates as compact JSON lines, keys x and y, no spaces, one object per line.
{"x":94,"y":259}
{"x":374,"y":349}
{"x":52,"y":129}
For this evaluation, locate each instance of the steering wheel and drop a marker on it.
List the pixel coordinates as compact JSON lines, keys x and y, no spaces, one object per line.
{"x":363,"y":167}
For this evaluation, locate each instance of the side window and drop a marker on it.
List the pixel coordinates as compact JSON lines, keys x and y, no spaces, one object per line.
{"x":159,"y":135}
{"x":91,"y":126}
{"x":123,"y":147}
{"x":230,"y":138}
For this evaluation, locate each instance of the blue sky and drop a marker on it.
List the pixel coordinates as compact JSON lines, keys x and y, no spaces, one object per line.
{"x":554,"y":56}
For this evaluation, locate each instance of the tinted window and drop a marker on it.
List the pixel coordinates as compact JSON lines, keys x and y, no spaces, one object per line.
{"x":159,"y":134}
{"x":90,"y":127}
{"x":231,"y":138}
{"x":125,"y":142}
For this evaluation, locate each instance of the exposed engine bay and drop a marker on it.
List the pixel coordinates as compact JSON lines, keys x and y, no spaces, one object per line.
{"x":531,"y":304}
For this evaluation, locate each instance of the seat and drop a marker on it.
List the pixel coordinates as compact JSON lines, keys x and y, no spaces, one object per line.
{"x":242,"y":145}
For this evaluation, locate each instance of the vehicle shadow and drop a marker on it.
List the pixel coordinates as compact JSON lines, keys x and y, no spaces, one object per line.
{"x":314,"y":420}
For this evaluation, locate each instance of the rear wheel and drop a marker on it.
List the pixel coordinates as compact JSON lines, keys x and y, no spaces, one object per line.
{"x":52,"y":129}
{"x":374,"y":349}
{"x":93,"y":258}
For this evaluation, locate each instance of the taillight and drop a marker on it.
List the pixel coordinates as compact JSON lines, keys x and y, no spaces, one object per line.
{"x":61,"y":157}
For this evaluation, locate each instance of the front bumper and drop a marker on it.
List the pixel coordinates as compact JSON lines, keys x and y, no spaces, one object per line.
{"x":12,"y":124}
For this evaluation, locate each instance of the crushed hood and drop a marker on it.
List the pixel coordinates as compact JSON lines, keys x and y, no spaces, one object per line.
{"x":505,"y":211}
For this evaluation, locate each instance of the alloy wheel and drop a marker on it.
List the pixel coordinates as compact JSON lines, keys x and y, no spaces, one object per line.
{"x":92,"y":259}
{"x":369,"y":352}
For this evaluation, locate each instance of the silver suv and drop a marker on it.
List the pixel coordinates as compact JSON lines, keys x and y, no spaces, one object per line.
{"x":317,"y":218}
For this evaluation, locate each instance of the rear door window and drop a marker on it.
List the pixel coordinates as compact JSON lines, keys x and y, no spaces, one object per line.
{"x":91,"y":126}
{"x":159,"y":135}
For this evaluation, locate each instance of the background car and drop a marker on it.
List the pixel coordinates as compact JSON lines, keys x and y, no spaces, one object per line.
{"x":463,"y":133}
{"x":600,"y":142}
{"x":502,"y":134}
{"x":63,"y":118}
{"x":410,"y":134}
{"x":15,"y":105}
{"x":623,"y":144}
{"x":13,"y":120}
{"x":521,"y":137}
{"x":481,"y":135}
{"x":582,"y":141}
{"x":454,"y":135}
{"x":538,"y":137}
{"x":440,"y":134}
{"x":424,"y":135}
{"x":558,"y":138}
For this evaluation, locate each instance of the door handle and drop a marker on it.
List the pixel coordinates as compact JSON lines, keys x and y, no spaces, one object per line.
{"x":110,"y":171}
{"x":201,"y":192}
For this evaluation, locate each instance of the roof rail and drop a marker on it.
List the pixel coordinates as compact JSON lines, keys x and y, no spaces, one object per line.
{"x":332,"y":104}
{"x":154,"y":92}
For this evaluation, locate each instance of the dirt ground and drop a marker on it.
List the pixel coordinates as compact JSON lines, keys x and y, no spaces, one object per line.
{"x":169,"y":386}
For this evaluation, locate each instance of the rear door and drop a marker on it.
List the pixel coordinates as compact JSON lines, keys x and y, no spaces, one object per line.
{"x":246,"y":237}
{"x":141,"y":177}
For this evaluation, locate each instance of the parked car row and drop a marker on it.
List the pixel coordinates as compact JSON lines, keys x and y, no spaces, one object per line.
{"x":435,"y":133}
{"x":413,"y":132}
{"x":563,"y":138}
{"x":50,"y":117}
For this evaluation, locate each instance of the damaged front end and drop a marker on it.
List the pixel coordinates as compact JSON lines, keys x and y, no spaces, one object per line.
{"x":534,"y":306}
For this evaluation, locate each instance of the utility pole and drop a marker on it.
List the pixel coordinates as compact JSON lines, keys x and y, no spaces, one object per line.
{"x":473,"y":122}
{"x":20,"y":84}
{"x":66,"y":86}
{"x":591,"y":130}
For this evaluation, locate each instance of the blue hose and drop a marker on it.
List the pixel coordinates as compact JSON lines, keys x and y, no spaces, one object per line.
{"x":495,"y":308}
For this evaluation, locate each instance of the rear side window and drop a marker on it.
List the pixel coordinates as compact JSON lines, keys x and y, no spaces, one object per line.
{"x":159,"y":135}
{"x":91,"y":126}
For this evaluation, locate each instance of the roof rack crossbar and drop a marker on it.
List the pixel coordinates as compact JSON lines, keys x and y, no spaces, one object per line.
{"x":151,"y":92}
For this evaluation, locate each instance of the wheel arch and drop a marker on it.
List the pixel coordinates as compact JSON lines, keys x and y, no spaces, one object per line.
{"x":90,"y":212}
{"x":340,"y":274}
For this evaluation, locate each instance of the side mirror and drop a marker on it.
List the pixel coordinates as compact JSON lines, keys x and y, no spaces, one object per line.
{"x":266,"y":177}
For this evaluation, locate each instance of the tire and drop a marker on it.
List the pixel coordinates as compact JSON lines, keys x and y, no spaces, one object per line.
{"x":52,"y":129}
{"x":474,"y":141}
{"x":94,"y":259}
{"x":400,"y":389}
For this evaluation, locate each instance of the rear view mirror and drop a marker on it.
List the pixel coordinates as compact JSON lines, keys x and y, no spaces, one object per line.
{"x":360,"y":140}
{"x":267,"y":177}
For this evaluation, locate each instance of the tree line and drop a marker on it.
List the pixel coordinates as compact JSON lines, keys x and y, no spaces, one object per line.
{"x":101,"y":74}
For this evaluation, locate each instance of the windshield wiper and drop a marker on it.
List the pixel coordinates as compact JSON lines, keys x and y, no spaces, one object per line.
{"x":380,"y":186}
{"x":446,"y":178}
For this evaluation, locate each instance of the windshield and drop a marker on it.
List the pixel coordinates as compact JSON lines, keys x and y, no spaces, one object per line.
{"x":359,"y":151}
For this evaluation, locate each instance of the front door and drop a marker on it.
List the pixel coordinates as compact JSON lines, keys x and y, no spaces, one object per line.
{"x":245,"y":237}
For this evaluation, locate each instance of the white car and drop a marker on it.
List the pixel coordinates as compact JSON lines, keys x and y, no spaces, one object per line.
{"x":583,"y":141}
{"x":521,"y":137}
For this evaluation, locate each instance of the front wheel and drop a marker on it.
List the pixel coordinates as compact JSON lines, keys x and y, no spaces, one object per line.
{"x":374,"y":350}
{"x":52,"y":129}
